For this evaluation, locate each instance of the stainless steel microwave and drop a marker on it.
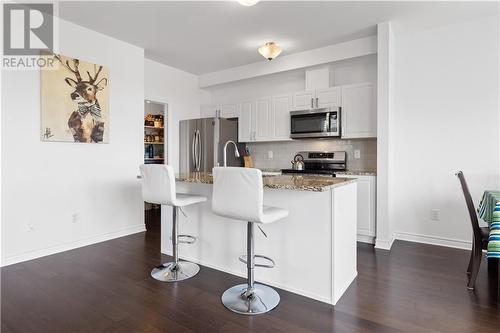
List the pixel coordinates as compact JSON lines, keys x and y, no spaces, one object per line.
{"x":315,"y":123}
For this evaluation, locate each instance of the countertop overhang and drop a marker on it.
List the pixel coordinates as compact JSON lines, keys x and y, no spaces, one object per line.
{"x":281,"y":182}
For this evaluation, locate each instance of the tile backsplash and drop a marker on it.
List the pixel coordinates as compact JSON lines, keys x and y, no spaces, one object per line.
{"x":283,"y":152}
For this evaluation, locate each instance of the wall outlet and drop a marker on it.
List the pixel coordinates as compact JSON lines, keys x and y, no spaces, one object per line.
{"x":435,"y":215}
{"x":357,"y":153}
{"x":269,"y":154}
{"x":74,"y":218}
{"x":31,"y":227}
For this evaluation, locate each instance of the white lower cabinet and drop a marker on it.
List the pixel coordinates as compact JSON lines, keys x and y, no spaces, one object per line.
{"x":367,"y":202}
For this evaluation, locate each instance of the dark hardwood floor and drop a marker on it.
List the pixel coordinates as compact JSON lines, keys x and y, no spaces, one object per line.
{"x":106,"y":287}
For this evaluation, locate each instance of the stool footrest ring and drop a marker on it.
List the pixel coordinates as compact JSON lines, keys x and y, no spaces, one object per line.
{"x":271,"y":264}
{"x":186,"y":239}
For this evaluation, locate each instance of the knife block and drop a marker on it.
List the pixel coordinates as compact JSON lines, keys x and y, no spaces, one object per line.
{"x":247,"y":161}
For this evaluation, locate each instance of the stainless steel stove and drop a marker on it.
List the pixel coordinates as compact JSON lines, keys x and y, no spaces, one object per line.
{"x":325,"y":163}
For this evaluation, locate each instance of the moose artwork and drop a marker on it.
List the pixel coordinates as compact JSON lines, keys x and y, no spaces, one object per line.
{"x":74,"y":102}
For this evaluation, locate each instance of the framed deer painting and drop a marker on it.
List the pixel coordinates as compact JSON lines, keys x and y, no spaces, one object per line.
{"x":74,"y":102}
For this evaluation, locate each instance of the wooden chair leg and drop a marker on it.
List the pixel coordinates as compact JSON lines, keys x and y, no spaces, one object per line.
{"x":476,"y":262}
{"x":470,"y":262}
{"x":471,"y":259}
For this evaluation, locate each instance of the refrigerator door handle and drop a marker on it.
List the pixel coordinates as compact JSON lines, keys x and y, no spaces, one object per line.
{"x":193,"y":150}
{"x":200,"y":150}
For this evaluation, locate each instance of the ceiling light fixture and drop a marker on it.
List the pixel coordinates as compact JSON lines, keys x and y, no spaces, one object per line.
{"x":248,"y":3}
{"x":270,"y":50}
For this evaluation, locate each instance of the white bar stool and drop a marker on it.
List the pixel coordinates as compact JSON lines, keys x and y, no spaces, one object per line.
{"x":238,"y":194}
{"x":158,"y":187}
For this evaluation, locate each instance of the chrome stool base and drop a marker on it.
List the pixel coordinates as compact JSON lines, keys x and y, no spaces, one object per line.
{"x":262,"y":300}
{"x":166,"y":273}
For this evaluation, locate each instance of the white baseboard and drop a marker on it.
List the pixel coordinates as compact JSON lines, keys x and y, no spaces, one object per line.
{"x":365,"y":239}
{"x":20,"y":257}
{"x":384,"y":244}
{"x":434,"y":240}
{"x":243,"y":275}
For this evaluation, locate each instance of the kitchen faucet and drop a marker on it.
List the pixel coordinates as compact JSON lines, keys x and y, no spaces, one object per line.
{"x":236,"y":153}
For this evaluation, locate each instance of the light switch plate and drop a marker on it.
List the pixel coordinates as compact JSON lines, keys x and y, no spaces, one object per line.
{"x":357,"y":153}
{"x":435,"y":215}
{"x":269,"y":154}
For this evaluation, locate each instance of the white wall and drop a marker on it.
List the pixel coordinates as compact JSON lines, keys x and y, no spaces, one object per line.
{"x":180,"y":91}
{"x":45,"y":183}
{"x":446,"y":118}
{"x":336,"y":52}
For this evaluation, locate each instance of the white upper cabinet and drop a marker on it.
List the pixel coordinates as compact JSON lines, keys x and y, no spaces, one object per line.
{"x":359,"y":111}
{"x":229,"y":110}
{"x":318,"y":78}
{"x":304,"y":100}
{"x":327,"y":98}
{"x":268,"y":118}
{"x":246,"y":121}
{"x":282,"y":104}
{"x":316,"y":99}
{"x":263,"y":119}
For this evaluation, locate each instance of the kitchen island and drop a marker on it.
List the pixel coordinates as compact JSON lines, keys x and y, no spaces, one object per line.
{"x":314,"y":247}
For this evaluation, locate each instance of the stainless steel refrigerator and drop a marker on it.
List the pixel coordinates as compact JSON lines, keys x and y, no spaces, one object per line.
{"x":202,"y":143}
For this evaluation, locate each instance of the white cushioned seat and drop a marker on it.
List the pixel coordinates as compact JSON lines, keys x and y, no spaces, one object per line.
{"x":238,"y":193}
{"x":182,"y":199}
{"x":158,"y":187}
{"x":271,"y":214}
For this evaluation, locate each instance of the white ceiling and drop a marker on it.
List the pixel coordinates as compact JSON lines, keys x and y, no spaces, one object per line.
{"x":203,"y":37}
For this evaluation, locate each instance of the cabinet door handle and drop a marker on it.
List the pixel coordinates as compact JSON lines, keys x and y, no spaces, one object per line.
{"x":312,"y":103}
{"x":317,"y":105}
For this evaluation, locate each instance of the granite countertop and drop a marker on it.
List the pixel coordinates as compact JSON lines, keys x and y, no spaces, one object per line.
{"x":282,"y":182}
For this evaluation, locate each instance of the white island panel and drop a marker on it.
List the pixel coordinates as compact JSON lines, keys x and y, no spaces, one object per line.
{"x":314,"y":247}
